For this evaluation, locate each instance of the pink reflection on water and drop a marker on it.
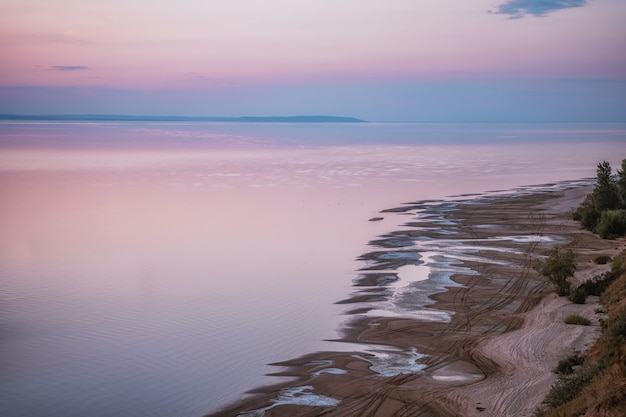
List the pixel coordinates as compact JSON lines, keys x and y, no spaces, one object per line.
{"x":119,"y":266}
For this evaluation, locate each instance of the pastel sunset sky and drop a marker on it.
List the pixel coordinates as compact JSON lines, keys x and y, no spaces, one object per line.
{"x":391,"y":60}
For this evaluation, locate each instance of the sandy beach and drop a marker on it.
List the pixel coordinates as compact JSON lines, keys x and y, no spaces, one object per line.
{"x":491,"y":329}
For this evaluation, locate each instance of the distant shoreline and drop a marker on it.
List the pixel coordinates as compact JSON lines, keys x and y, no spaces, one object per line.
{"x":140,"y":118}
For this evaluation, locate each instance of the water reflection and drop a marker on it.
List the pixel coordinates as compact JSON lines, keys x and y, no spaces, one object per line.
{"x":156,"y":269}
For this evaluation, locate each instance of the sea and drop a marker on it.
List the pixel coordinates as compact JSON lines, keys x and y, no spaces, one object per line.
{"x":160,"y":268}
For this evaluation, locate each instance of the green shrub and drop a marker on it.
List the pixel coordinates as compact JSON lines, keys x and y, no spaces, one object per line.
{"x":602,"y":259}
{"x":577,"y":319}
{"x":587,"y":214}
{"x":569,"y":386}
{"x":600,"y":283}
{"x":566,"y":366}
{"x":612,"y":224}
{"x":578,"y":296}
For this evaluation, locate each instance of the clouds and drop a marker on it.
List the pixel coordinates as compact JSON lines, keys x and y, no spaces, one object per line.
{"x":68,"y":68}
{"x":206,"y":44}
{"x":233,"y":54}
{"x":517,"y":9}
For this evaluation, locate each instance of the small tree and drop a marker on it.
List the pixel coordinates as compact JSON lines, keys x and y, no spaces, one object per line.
{"x":605,"y":194}
{"x":558,"y":267}
{"x":621,"y":183}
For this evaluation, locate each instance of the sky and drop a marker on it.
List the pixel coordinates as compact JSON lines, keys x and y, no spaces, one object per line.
{"x":391,"y":60}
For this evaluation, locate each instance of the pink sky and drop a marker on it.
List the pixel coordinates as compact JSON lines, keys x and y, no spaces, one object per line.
{"x":209,"y":45}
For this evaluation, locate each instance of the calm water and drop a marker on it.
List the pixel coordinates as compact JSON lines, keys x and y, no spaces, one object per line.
{"x":155,"y":269}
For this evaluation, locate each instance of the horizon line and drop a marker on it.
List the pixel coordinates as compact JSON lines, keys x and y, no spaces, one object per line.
{"x":104,"y":117}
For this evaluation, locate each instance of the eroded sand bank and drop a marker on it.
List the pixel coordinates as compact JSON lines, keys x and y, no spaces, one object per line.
{"x":450,"y":317}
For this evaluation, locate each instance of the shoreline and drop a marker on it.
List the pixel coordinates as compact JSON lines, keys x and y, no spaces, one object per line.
{"x":488,"y":329}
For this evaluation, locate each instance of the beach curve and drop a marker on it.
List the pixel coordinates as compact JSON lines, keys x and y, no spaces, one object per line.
{"x":497,"y":327}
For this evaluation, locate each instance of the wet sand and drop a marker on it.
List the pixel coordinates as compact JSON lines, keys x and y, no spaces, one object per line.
{"x":478,"y":338}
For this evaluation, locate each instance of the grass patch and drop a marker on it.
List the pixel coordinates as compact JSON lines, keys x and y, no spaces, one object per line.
{"x":577,"y":319}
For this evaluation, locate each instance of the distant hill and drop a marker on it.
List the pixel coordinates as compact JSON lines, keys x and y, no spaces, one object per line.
{"x":134,"y":118}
